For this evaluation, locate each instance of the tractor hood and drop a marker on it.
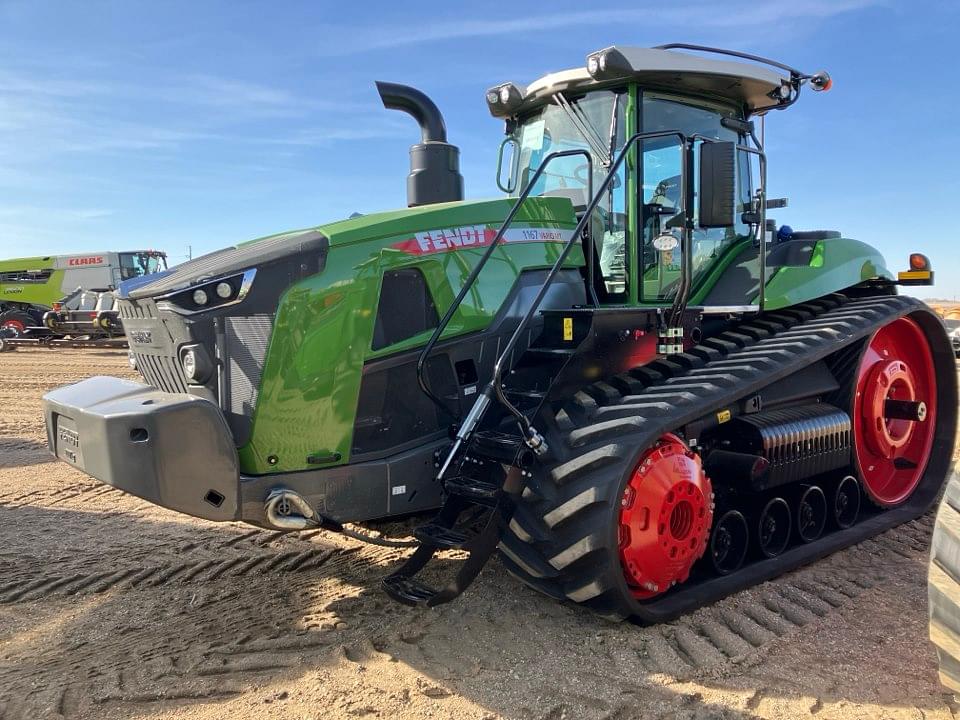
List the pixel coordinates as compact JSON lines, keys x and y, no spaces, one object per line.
{"x":304,"y":252}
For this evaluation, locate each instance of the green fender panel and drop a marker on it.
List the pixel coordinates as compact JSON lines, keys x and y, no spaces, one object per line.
{"x":835,"y":265}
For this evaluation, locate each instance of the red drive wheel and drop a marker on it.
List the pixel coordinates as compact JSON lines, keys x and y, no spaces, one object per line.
{"x":665,"y":516}
{"x":16,"y":321}
{"x":894,"y":412}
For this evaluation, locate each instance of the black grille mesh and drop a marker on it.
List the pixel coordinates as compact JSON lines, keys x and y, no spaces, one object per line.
{"x":247,"y":341}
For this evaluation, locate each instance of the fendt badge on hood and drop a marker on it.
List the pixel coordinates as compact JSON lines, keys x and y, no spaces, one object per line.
{"x":446,"y":239}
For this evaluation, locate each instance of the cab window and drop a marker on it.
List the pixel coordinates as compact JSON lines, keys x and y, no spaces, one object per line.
{"x":596,"y":123}
{"x":661,"y":188}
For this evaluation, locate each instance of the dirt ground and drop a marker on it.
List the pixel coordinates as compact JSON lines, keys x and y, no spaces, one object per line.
{"x":111,"y":607}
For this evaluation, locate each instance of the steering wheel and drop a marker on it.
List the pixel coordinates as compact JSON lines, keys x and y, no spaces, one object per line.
{"x":580,"y":174}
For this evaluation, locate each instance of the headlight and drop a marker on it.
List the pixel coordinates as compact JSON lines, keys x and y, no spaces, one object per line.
{"x":189,"y":361}
{"x":196,"y":364}
{"x":210,"y":295}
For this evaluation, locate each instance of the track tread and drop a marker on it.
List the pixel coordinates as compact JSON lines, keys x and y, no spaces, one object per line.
{"x":563,"y":539}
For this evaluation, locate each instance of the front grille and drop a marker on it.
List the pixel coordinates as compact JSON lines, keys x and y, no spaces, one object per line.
{"x":244,"y":351}
{"x":160,"y":369}
{"x":247,"y":341}
{"x":163,"y":372}
{"x":137,"y":311}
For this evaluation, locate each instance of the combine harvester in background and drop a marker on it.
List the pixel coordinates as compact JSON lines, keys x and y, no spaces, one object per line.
{"x":68,"y":299}
{"x":616,"y":375}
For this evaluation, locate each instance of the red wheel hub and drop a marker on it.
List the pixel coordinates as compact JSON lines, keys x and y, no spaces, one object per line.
{"x":892,"y":445}
{"x":15,"y":325}
{"x":665,"y":515}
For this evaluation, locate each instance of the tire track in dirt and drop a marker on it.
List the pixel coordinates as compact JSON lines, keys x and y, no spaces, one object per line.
{"x":198,"y":572}
{"x":742,"y":625}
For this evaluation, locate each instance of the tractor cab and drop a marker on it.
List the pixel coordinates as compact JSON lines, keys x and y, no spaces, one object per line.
{"x":140,"y":263}
{"x":664,"y":210}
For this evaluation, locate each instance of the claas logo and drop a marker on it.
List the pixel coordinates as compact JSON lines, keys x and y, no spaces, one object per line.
{"x":73,"y":262}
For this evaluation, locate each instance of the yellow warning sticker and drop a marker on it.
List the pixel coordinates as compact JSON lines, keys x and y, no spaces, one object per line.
{"x":568,"y":328}
{"x":723,"y":416}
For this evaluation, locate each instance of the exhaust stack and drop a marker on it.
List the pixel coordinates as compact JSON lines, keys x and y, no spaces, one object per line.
{"x":434,"y":163}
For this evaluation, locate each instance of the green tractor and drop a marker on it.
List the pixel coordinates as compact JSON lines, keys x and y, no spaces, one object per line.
{"x":37,"y":291}
{"x":621,"y":375}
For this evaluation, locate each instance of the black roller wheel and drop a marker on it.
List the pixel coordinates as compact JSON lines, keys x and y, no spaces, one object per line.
{"x":729,"y":542}
{"x":811,"y":514}
{"x":846,"y":502}
{"x":773,"y":527}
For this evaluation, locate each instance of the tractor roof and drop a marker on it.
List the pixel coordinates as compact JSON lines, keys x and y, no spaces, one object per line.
{"x":746,"y":84}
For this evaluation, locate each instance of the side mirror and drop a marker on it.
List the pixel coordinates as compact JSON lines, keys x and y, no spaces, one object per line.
{"x":718,"y":179}
{"x":511,"y":183}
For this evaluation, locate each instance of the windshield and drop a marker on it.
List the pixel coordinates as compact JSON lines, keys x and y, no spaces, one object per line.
{"x":594,"y":123}
{"x":138,"y":264}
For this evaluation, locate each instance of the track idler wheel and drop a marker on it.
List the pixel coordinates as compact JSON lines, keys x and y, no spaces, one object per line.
{"x":894,"y":412}
{"x":729,"y":541}
{"x":811,"y":513}
{"x":773,"y":527}
{"x":665,"y":514}
{"x":846,"y":502}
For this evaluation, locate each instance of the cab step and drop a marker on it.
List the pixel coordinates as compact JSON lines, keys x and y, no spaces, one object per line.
{"x":465,"y":498}
{"x":407,"y":590}
{"x":476,"y":491}
{"x":442,"y":537}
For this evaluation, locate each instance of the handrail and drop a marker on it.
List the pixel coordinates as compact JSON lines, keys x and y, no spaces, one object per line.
{"x":495,"y":381}
{"x":494,"y":387}
{"x":472,"y":277}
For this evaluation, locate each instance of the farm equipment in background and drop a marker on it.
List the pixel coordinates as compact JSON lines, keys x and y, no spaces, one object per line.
{"x":68,"y":300}
{"x":621,"y":376}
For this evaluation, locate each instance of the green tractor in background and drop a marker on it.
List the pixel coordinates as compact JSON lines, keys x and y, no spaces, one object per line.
{"x":69,"y":293}
{"x":620,"y":375}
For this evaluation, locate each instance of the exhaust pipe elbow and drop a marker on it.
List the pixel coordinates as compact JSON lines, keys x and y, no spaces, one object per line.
{"x":434,"y":163}
{"x":416,"y":104}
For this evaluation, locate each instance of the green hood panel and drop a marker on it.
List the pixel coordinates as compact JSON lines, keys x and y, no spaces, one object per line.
{"x":550,"y":211}
{"x":324,"y":324}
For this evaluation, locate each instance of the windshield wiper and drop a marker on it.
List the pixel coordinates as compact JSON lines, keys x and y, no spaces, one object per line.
{"x":586,"y":129}
{"x":611,"y":146}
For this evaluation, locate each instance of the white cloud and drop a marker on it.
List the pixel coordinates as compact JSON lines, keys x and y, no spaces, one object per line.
{"x":340,"y":40}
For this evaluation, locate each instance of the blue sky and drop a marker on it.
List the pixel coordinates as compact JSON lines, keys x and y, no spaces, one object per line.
{"x":174,"y":124}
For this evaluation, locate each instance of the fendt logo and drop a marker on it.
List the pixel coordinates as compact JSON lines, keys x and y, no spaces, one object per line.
{"x":141,"y":337}
{"x":74,"y":262}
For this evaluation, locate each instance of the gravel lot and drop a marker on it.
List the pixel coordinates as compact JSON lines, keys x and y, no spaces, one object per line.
{"x":111,"y":607}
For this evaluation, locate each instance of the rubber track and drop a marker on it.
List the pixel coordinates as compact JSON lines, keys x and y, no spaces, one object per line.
{"x":562,"y":540}
{"x":943,"y":588}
